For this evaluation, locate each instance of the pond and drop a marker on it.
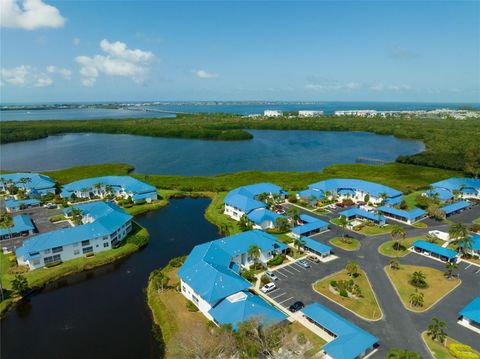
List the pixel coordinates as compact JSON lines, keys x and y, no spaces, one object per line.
{"x":103,"y":313}
{"x":267,"y":151}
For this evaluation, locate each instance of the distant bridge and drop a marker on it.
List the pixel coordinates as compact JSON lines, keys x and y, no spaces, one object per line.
{"x":143,"y":109}
{"x":370,"y":161}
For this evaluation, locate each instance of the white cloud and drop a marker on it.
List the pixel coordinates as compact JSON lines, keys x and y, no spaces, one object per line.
{"x":76,"y":41}
{"x":25,"y":76}
{"x":324,"y":84}
{"x":202,"y":74}
{"x":65,"y":73}
{"x":118,"y":61}
{"x":381,"y":87}
{"x":29,"y":15}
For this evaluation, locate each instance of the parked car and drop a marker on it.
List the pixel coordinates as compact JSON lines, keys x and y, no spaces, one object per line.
{"x":313,"y":258}
{"x":303,"y":263}
{"x":271,"y":275}
{"x":296,"y":306}
{"x":51,"y":206}
{"x":268,"y":287}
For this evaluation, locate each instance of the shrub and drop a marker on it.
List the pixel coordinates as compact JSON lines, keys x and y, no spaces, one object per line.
{"x":18,"y":270}
{"x":334,"y":283}
{"x":248,"y":275}
{"x":89,"y":255}
{"x":344,"y":293}
{"x":275,"y":261}
{"x":54,"y":264}
{"x":292,"y":198}
{"x":264,"y":280}
{"x":301,"y":339}
{"x":462,"y":351}
{"x":177,"y":261}
{"x":191,"y":307}
{"x":475,"y":227}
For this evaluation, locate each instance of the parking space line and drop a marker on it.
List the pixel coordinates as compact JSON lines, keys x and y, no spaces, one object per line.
{"x":299,"y":266}
{"x":294,"y":268}
{"x":286,"y":270}
{"x":469,"y":265}
{"x":278,"y":296}
{"x":283,"y":301}
{"x":278,"y":272}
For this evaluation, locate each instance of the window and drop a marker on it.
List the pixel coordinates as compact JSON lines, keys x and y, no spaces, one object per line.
{"x":85,"y":243}
{"x":36,"y":262}
{"x":57,"y":249}
{"x":194,"y":299}
{"x":87,"y":250}
{"x":46,"y":251}
{"x":106,"y":244}
{"x":105,"y":238}
{"x":76,"y":252}
{"x":52,"y":259}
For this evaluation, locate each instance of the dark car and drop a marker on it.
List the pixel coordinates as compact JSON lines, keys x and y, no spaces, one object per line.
{"x":296,"y":306}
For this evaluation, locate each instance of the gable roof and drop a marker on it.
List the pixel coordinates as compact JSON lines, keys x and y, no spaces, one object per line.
{"x":316,"y":246}
{"x":337,"y":184}
{"x":260,"y":215}
{"x":310,"y":226}
{"x":435,"y":248}
{"x":455,"y":183}
{"x":243,"y":306}
{"x":412,"y":214}
{"x":21,"y":223}
{"x":37,"y":181}
{"x":353,"y":212}
{"x":472,"y":310}
{"x":129,"y":184}
{"x":350,"y":341}
{"x":243,"y":203}
{"x":244,"y":199}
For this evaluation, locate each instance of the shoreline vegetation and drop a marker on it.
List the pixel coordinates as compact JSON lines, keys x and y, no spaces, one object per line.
{"x":37,"y":279}
{"x":450,"y":144}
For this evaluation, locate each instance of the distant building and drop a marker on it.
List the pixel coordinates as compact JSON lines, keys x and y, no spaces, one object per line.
{"x":309,"y":113}
{"x":104,"y":224}
{"x":362,"y":113}
{"x":118,"y":186}
{"x":34,"y":184}
{"x":455,"y":187}
{"x":272,"y":113}
{"x":22,"y":227}
{"x":13,"y":205}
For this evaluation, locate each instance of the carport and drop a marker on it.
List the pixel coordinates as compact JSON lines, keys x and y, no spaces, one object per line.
{"x":318,"y":248}
{"x":435,"y":251}
{"x":309,"y":229}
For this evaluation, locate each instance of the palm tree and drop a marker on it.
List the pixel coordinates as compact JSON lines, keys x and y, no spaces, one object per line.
{"x":352,"y":268}
{"x":343,"y":222}
{"x":294,"y":213}
{"x":458,"y":232}
{"x":254,"y":253}
{"x":416,"y":299}
{"x":24,"y":181}
{"x":299,"y":244}
{"x":383,"y":196}
{"x":431,"y":238}
{"x":97,"y":186}
{"x":398,"y":234}
{"x":450,"y":267}
{"x":464,"y":243}
{"x":394,"y":264}
{"x":418,"y":279}
{"x":436,"y":330}
{"x":84,"y":191}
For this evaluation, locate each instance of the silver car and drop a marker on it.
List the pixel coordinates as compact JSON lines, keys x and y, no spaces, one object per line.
{"x":271,"y":275}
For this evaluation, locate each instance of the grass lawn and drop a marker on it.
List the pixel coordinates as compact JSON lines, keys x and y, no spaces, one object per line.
{"x":420,"y":225}
{"x":375,"y":230}
{"x":80,"y":172}
{"x":353,"y":246}
{"x":169,"y":310}
{"x":476,"y":221}
{"x":439,"y":350}
{"x":142,"y":208}
{"x":214,"y":214}
{"x":387,"y":248}
{"x":411,"y":199}
{"x":284,"y":238}
{"x":438,"y":285}
{"x":39,"y":277}
{"x":365,"y":307}
{"x":335,"y":221}
{"x":315,"y":341}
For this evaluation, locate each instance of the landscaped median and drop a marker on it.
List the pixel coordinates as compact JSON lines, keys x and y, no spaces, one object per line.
{"x":346,"y":243}
{"x":363,"y":303}
{"x":388,"y":249}
{"x":436,"y":285}
{"x":450,"y":349}
{"x":37,"y":278}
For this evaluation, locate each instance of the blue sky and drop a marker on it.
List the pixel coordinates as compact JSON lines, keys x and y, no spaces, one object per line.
{"x":232,"y":50}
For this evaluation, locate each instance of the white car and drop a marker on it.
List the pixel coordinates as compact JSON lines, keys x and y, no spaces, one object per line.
{"x":268,"y":287}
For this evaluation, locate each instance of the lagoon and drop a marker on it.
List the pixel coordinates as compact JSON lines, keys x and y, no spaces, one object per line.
{"x":269,"y":150}
{"x":103,"y":313}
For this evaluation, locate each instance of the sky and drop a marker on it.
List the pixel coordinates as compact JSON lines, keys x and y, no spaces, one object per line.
{"x":422,"y":51}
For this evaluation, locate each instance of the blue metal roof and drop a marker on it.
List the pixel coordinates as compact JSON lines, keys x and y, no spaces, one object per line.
{"x":357,"y":212}
{"x":316,"y":246}
{"x":336,"y":184}
{"x":247,"y":305}
{"x":309,"y":192}
{"x":455,"y":206}
{"x":259,"y":215}
{"x":442,"y":193}
{"x":475,"y":245}
{"x":129,"y":184}
{"x":456,"y":183}
{"x":472,"y":310}
{"x":434,"y":248}
{"x":21,"y":223}
{"x":14,"y":203}
{"x":412,"y":214}
{"x":350,"y":341}
{"x":140,"y":196}
{"x":107,"y":216}
{"x":208,"y":271}
{"x":307,"y":218}
{"x":311,"y":226}
{"x":243,"y":198}
{"x":37,"y":181}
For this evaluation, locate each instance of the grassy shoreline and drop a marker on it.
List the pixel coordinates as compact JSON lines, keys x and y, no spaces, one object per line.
{"x":38,"y":278}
